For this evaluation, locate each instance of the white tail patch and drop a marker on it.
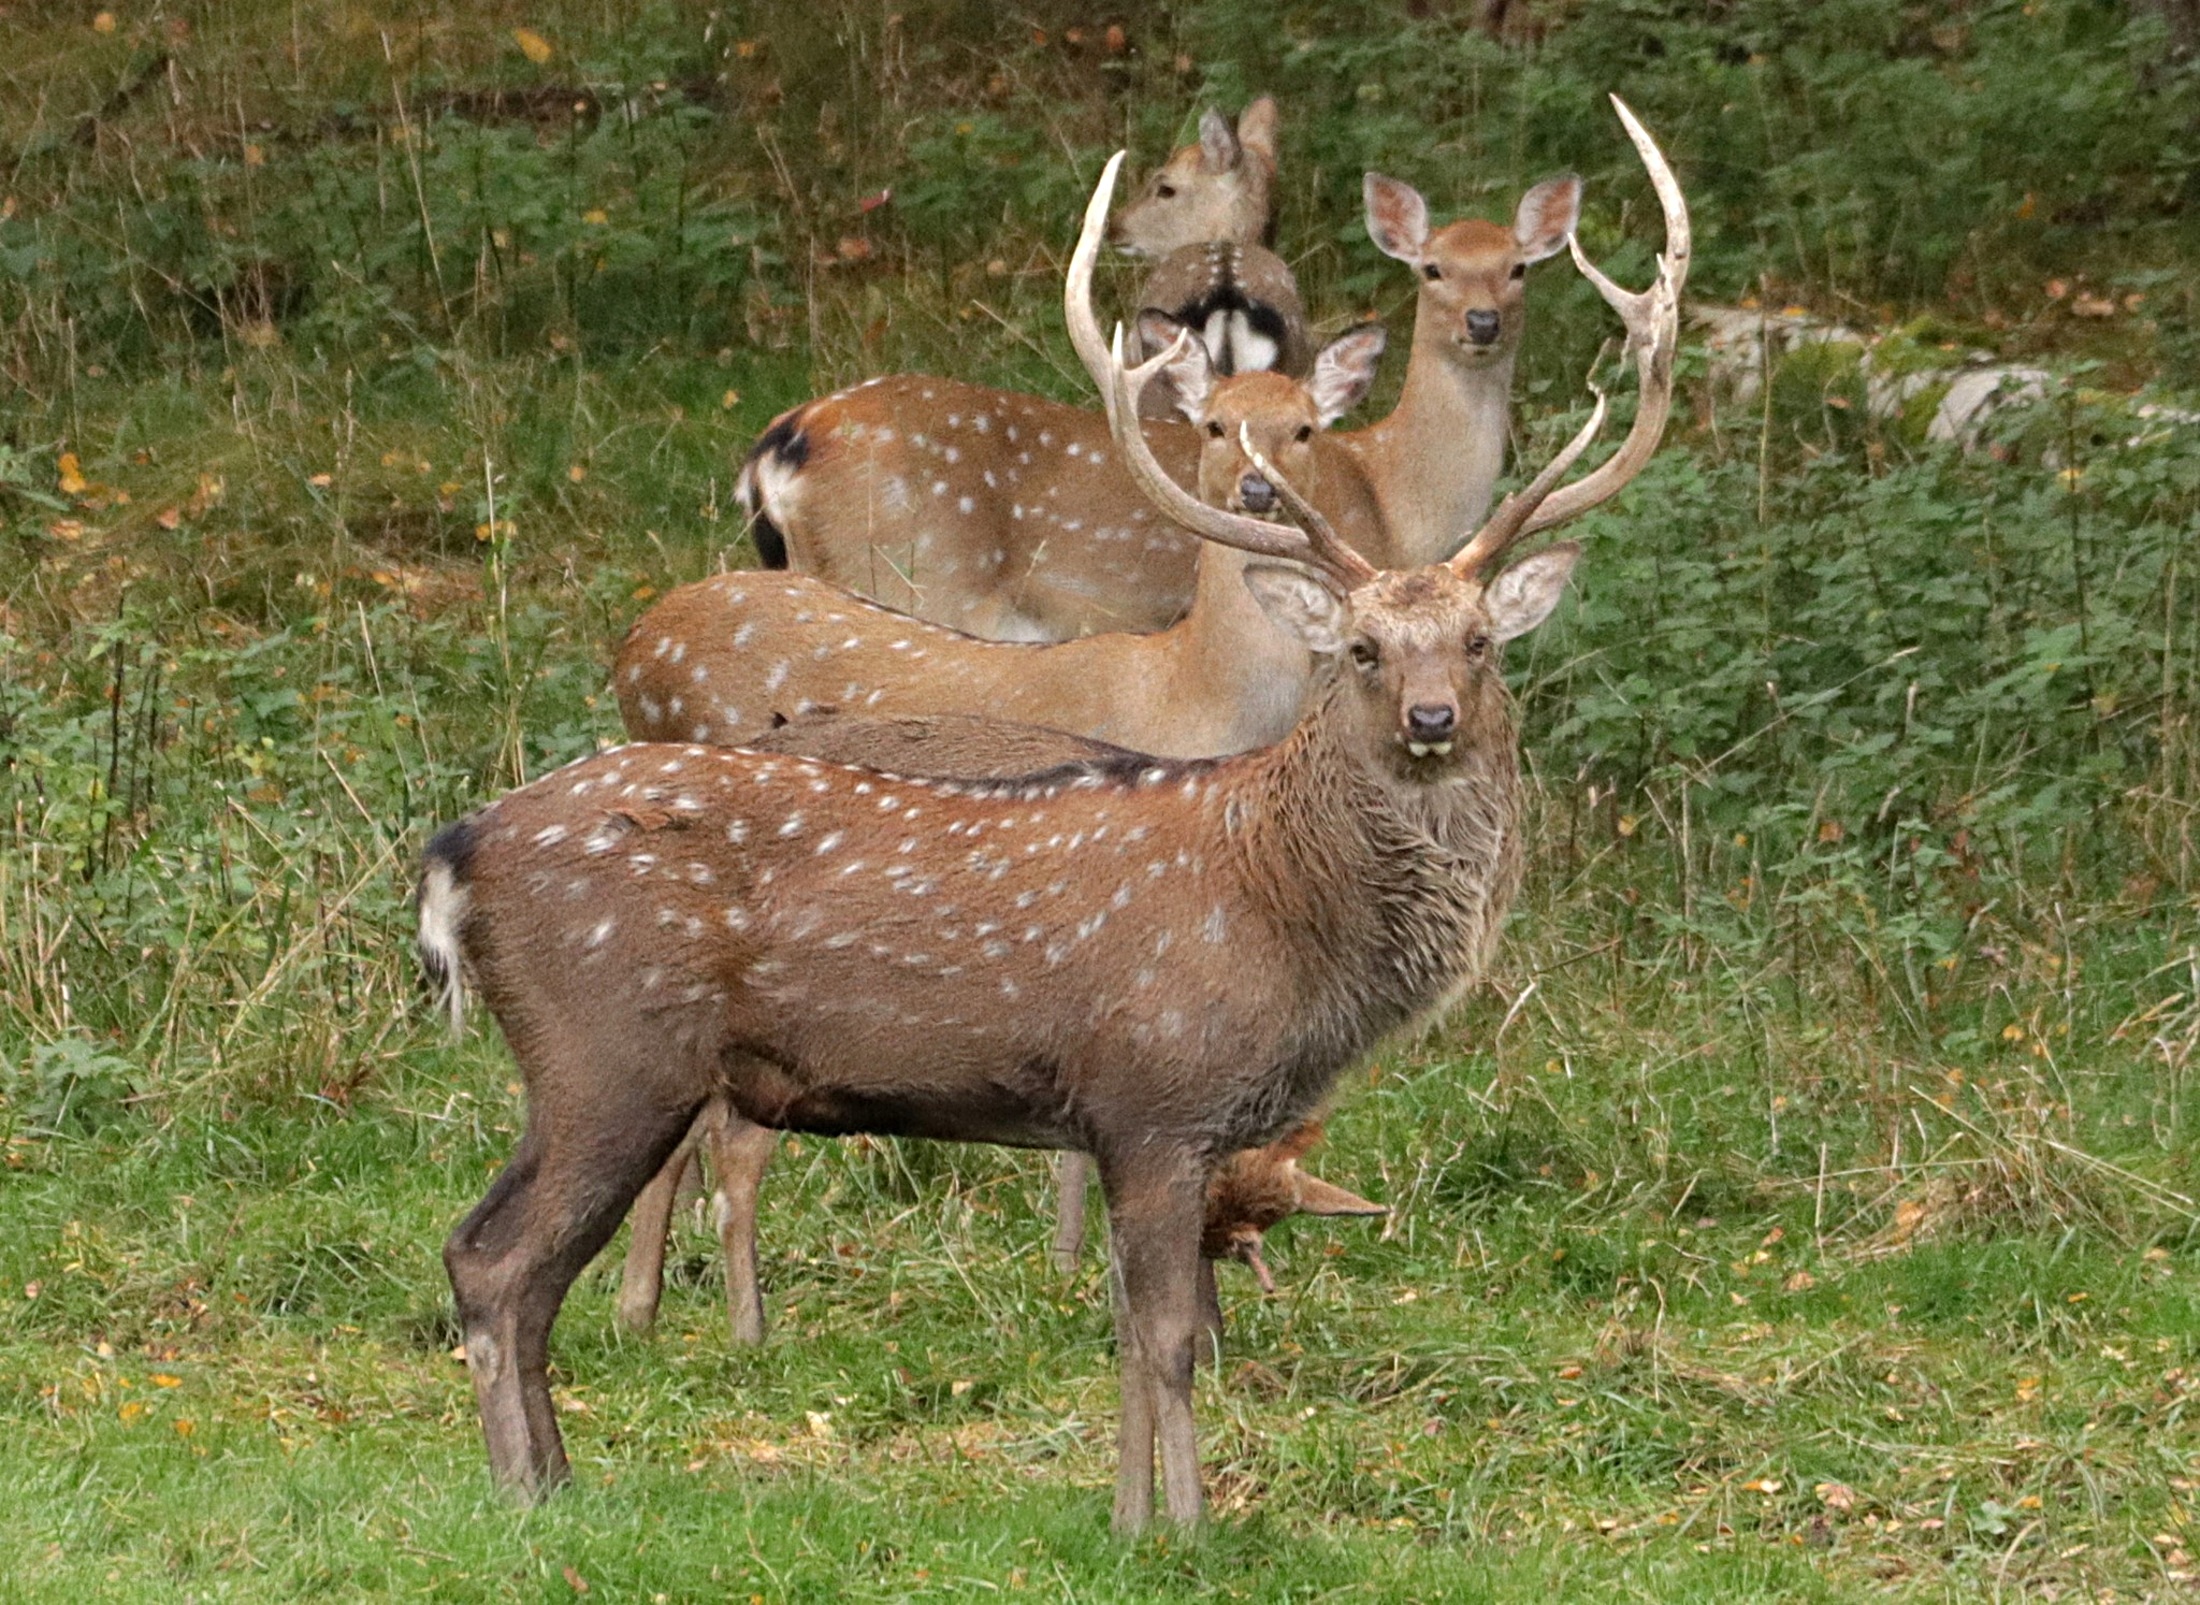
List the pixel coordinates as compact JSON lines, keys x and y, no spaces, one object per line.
{"x":768,"y":483}
{"x":442,"y":912}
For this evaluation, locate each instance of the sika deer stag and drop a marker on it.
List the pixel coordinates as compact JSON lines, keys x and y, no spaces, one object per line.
{"x":1157,"y":963}
{"x":1251,"y":1192}
{"x":1206,"y":218}
{"x":1009,"y":517}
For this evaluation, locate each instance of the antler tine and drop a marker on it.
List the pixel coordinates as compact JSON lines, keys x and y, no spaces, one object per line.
{"x":1084,"y":327}
{"x":1325,"y":550}
{"x":1653,"y":319}
{"x":1512,"y":518}
{"x":1175,"y":502}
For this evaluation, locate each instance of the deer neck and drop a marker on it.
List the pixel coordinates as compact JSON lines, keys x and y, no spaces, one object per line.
{"x":1227,"y":655}
{"x":1435,"y":460}
{"x":1399,"y":887}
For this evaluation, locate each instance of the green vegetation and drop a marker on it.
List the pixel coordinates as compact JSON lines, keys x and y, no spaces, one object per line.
{"x":1804,"y":1210}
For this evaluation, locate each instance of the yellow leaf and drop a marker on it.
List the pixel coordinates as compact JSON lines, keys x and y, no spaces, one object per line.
{"x":104,"y":22}
{"x":532,"y":45}
{"x":185,"y":1426}
{"x":131,"y":1410}
{"x":576,"y":473}
{"x":321,"y":481}
{"x":255,"y":155}
{"x":73,"y":482}
{"x":596,"y":216}
{"x":730,"y":400}
{"x":162,"y":1379}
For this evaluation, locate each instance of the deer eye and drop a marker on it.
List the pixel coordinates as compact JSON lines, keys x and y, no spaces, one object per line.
{"x":1214,"y":428}
{"x":1520,"y":270}
{"x":1365,"y":655}
{"x":1306,"y":433}
{"x":1165,"y":192}
{"x":1477,"y":645}
{"x":1429,"y":270}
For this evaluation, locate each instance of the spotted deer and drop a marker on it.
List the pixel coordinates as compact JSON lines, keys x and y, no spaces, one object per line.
{"x":1206,"y":220}
{"x":1158,"y":962}
{"x":727,"y":657}
{"x":1010,"y":517}
{"x":1250,"y":1193}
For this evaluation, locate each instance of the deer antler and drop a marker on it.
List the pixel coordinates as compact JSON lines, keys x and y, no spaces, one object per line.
{"x":1653,"y":319}
{"x":1327,"y":551}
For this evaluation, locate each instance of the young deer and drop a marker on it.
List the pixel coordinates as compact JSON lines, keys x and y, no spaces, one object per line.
{"x":1205,"y":218}
{"x":1250,"y":1193}
{"x":1009,"y":517}
{"x":724,"y":658}
{"x":1157,"y":963}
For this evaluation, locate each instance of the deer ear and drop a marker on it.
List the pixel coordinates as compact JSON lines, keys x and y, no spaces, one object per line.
{"x":1218,"y":142}
{"x":1345,"y":370}
{"x":1301,"y":603}
{"x":1546,"y":215}
{"x":1192,"y":375}
{"x":1397,"y":217}
{"x":1318,"y":1197}
{"x":1256,"y":129}
{"x":1522,"y":597}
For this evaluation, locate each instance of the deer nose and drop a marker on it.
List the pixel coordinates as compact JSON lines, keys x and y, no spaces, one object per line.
{"x":1256,"y":495}
{"x":1431,"y":722}
{"x":1481,"y":326}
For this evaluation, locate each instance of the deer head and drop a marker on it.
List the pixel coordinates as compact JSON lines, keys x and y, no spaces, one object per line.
{"x":1213,"y":189}
{"x":1279,"y":415}
{"x":1257,"y":1188}
{"x":1473,"y":273}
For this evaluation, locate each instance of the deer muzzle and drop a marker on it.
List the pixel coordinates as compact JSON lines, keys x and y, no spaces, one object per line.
{"x":1429,"y":727}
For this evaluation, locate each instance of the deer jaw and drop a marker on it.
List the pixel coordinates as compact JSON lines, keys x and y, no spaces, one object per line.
{"x":1216,"y":188}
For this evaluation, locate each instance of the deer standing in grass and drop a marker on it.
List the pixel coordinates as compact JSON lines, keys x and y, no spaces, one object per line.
{"x":1011,"y":517}
{"x":1206,"y":217}
{"x":727,"y":659}
{"x":1249,"y":1194}
{"x":1158,"y":963}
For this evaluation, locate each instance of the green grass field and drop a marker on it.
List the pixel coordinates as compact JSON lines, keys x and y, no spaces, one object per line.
{"x":1804,"y":1208}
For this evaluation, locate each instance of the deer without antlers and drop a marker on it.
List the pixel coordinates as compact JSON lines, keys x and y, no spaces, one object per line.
{"x":1157,"y":963}
{"x":1250,"y":1193}
{"x":1009,"y":517}
{"x":1205,"y":219}
{"x":720,"y":660}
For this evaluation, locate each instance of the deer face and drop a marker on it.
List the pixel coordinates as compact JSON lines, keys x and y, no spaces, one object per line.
{"x":1216,"y":189}
{"x":1473,"y":274}
{"x":1421,"y":663}
{"x":1279,"y":416}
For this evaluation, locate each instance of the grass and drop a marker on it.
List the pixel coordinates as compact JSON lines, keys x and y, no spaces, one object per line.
{"x":1803,"y":1210}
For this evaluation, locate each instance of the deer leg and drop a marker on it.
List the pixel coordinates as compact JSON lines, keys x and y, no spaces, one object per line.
{"x":1155,"y":1205}
{"x":1210,"y":1313}
{"x":642,"y":1279}
{"x":740,"y":1152}
{"x":1072,"y":1179}
{"x":548,"y":1214}
{"x":1134,"y":1442}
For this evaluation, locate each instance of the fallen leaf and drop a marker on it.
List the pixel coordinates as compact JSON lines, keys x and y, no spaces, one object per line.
{"x":1800,"y":1282}
{"x":1762,"y":1485}
{"x":169,"y":517}
{"x":162,"y":1379}
{"x":71,"y":472}
{"x":321,"y":481}
{"x":536,"y":49}
{"x":2088,"y":305}
{"x":104,"y":22}
{"x":573,"y":1579}
{"x":1836,"y":1496}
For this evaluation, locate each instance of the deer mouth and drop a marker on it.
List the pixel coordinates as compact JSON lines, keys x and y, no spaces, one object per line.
{"x":1429,"y":749}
